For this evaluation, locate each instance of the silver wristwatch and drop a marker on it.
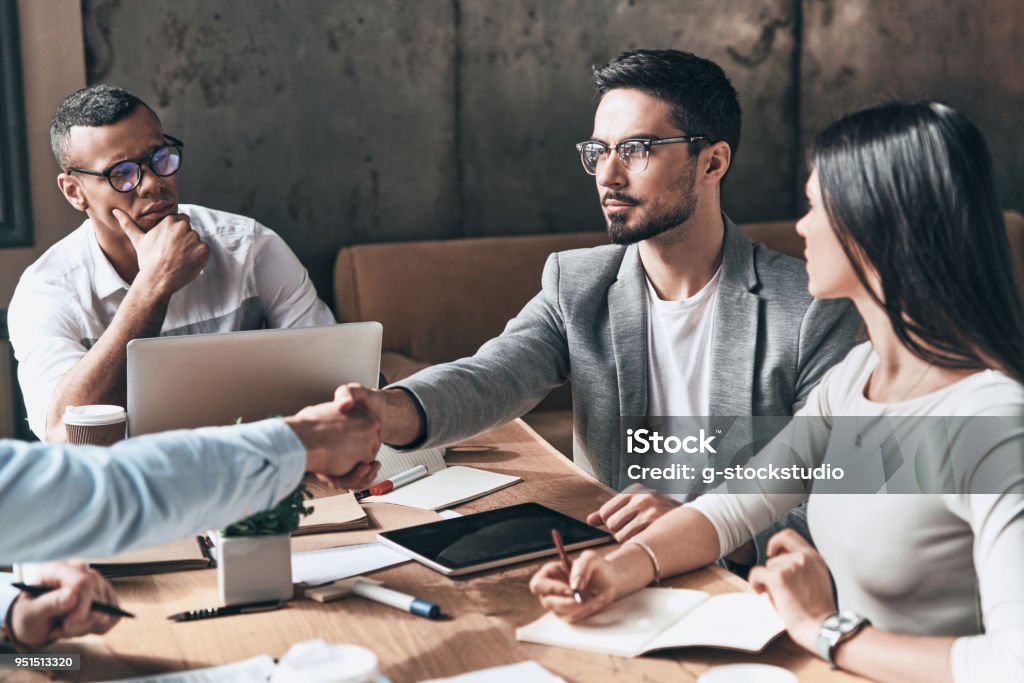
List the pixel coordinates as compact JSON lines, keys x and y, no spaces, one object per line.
{"x":834,"y":630}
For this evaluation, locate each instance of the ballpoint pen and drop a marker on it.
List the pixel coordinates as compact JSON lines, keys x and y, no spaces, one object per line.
{"x":210,"y":612}
{"x":96,"y":606}
{"x":566,"y":567}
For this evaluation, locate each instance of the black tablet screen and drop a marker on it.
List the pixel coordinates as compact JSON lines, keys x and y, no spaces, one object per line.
{"x":493,"y":535}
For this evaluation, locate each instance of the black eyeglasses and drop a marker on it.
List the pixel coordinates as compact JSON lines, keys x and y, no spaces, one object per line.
{"x":125,"y":176}
{"x":633,"y":153}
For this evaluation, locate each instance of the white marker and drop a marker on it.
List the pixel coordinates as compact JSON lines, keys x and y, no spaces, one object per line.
{"x":391,"y":598}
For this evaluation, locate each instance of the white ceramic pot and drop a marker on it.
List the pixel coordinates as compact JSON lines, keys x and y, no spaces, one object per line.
{"x":254,"y":568}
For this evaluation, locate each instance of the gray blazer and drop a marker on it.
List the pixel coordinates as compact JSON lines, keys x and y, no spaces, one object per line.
{"x":772,"y":344}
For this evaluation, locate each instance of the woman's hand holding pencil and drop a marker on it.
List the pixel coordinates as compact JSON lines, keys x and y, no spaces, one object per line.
{"x":574,"y":591}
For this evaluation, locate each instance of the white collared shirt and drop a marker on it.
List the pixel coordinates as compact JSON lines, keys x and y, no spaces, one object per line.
{"x":67,"y":299}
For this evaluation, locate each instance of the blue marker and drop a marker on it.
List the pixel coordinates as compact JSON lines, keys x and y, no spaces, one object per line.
{"x":391,"y":598}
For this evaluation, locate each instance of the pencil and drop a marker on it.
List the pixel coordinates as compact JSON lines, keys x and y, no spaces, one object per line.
{"x":566,"y":567}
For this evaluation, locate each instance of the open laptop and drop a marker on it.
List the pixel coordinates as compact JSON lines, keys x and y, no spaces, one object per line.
{"x":213,"y":379}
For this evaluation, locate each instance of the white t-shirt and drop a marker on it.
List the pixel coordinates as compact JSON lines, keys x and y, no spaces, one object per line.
{"x":927,"y":563}
{"x":679,"y":352}
{"x":67,"y":299}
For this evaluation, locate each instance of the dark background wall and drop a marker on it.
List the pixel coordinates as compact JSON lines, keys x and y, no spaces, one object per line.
{"x":342,"y":122}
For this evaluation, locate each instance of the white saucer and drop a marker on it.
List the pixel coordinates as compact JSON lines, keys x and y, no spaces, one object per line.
{"x":747,"y":673}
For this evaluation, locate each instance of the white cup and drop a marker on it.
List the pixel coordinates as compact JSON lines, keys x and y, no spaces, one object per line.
{"x":99,"y":425}
{"x":315,"y":661}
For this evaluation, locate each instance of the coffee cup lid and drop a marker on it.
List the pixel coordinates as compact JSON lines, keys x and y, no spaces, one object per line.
{"x":88,"y":416}
{"x":315,"y":661}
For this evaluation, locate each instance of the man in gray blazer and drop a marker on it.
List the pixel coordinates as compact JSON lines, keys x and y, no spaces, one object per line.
{"x":682,"y":315}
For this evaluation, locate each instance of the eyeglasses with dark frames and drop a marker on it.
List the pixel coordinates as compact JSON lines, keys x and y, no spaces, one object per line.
{"x":634,"y":153}
{"x":125,"y":176}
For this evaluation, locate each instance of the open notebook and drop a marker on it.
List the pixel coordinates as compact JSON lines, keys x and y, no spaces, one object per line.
{"x":443,"y":486}
{"x":394,"y":462}
{"x":661,"y":618}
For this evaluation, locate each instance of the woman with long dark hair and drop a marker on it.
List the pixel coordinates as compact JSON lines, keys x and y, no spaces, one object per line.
{"x":904,"y":220}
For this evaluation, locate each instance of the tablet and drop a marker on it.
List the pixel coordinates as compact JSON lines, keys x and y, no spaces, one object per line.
{"x":490,"y":539}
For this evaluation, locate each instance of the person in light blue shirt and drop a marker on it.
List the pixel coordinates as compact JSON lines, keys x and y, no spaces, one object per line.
{"x":59,"y":501}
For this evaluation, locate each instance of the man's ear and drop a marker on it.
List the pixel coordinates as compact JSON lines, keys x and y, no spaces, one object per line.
{"x":71,"y":188}
{"x":718,"y":159}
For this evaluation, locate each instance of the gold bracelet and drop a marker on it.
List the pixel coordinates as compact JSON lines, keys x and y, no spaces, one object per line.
{"x":650,"y":553}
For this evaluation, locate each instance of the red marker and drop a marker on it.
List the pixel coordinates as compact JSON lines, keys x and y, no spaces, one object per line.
{"x":399,"y":480}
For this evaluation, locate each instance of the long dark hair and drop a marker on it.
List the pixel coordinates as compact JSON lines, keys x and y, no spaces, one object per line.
{"x":908,"y":189}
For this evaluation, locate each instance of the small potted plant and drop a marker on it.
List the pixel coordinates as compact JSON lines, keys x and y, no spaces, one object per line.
{"x":254,"y":556}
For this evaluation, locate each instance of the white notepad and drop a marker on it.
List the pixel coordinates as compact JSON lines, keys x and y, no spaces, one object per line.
{"x":394,"y":462}
{"x":255,"y":670}
{"x":448,"y":487}
{"x":315,"y":567}
{"x":661,"y":618}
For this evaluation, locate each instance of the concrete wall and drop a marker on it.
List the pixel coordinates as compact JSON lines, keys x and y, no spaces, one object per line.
{"x":339,"y":122}
{"x":53,"y":64}
{"x":967,"y":54}
{"x":346,"y":121}
{"x":375,"y":120}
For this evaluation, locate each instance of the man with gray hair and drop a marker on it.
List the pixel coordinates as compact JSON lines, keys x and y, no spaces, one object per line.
{"x":141,"y":265}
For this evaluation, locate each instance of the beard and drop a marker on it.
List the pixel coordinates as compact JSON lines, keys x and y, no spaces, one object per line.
{"x":656,"y":222}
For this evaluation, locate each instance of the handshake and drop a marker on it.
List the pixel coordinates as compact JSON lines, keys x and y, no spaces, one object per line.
{"x":342,"y":437}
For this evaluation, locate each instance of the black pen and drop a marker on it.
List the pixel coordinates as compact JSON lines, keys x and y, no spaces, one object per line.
{"x":210,"y":612}
{"x":97,"y":606}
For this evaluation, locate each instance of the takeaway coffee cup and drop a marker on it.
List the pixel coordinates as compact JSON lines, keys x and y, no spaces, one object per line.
{"x":97,"y":425}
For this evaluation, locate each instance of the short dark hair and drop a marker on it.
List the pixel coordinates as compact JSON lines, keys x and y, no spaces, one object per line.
{"x":95,"y":105}
{"x":909,"y":190}
{"x":701,"y":98}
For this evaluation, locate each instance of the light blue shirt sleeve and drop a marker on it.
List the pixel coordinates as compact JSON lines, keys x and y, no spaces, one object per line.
{"x":59,"y":501}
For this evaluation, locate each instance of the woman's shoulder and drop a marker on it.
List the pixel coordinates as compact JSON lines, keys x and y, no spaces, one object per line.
{"x":989,"y":392}
{"x":853,"y":370}
{"x":833,"y":393}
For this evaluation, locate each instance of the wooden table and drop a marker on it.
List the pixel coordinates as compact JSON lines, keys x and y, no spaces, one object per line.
{"x":485,"y":609}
